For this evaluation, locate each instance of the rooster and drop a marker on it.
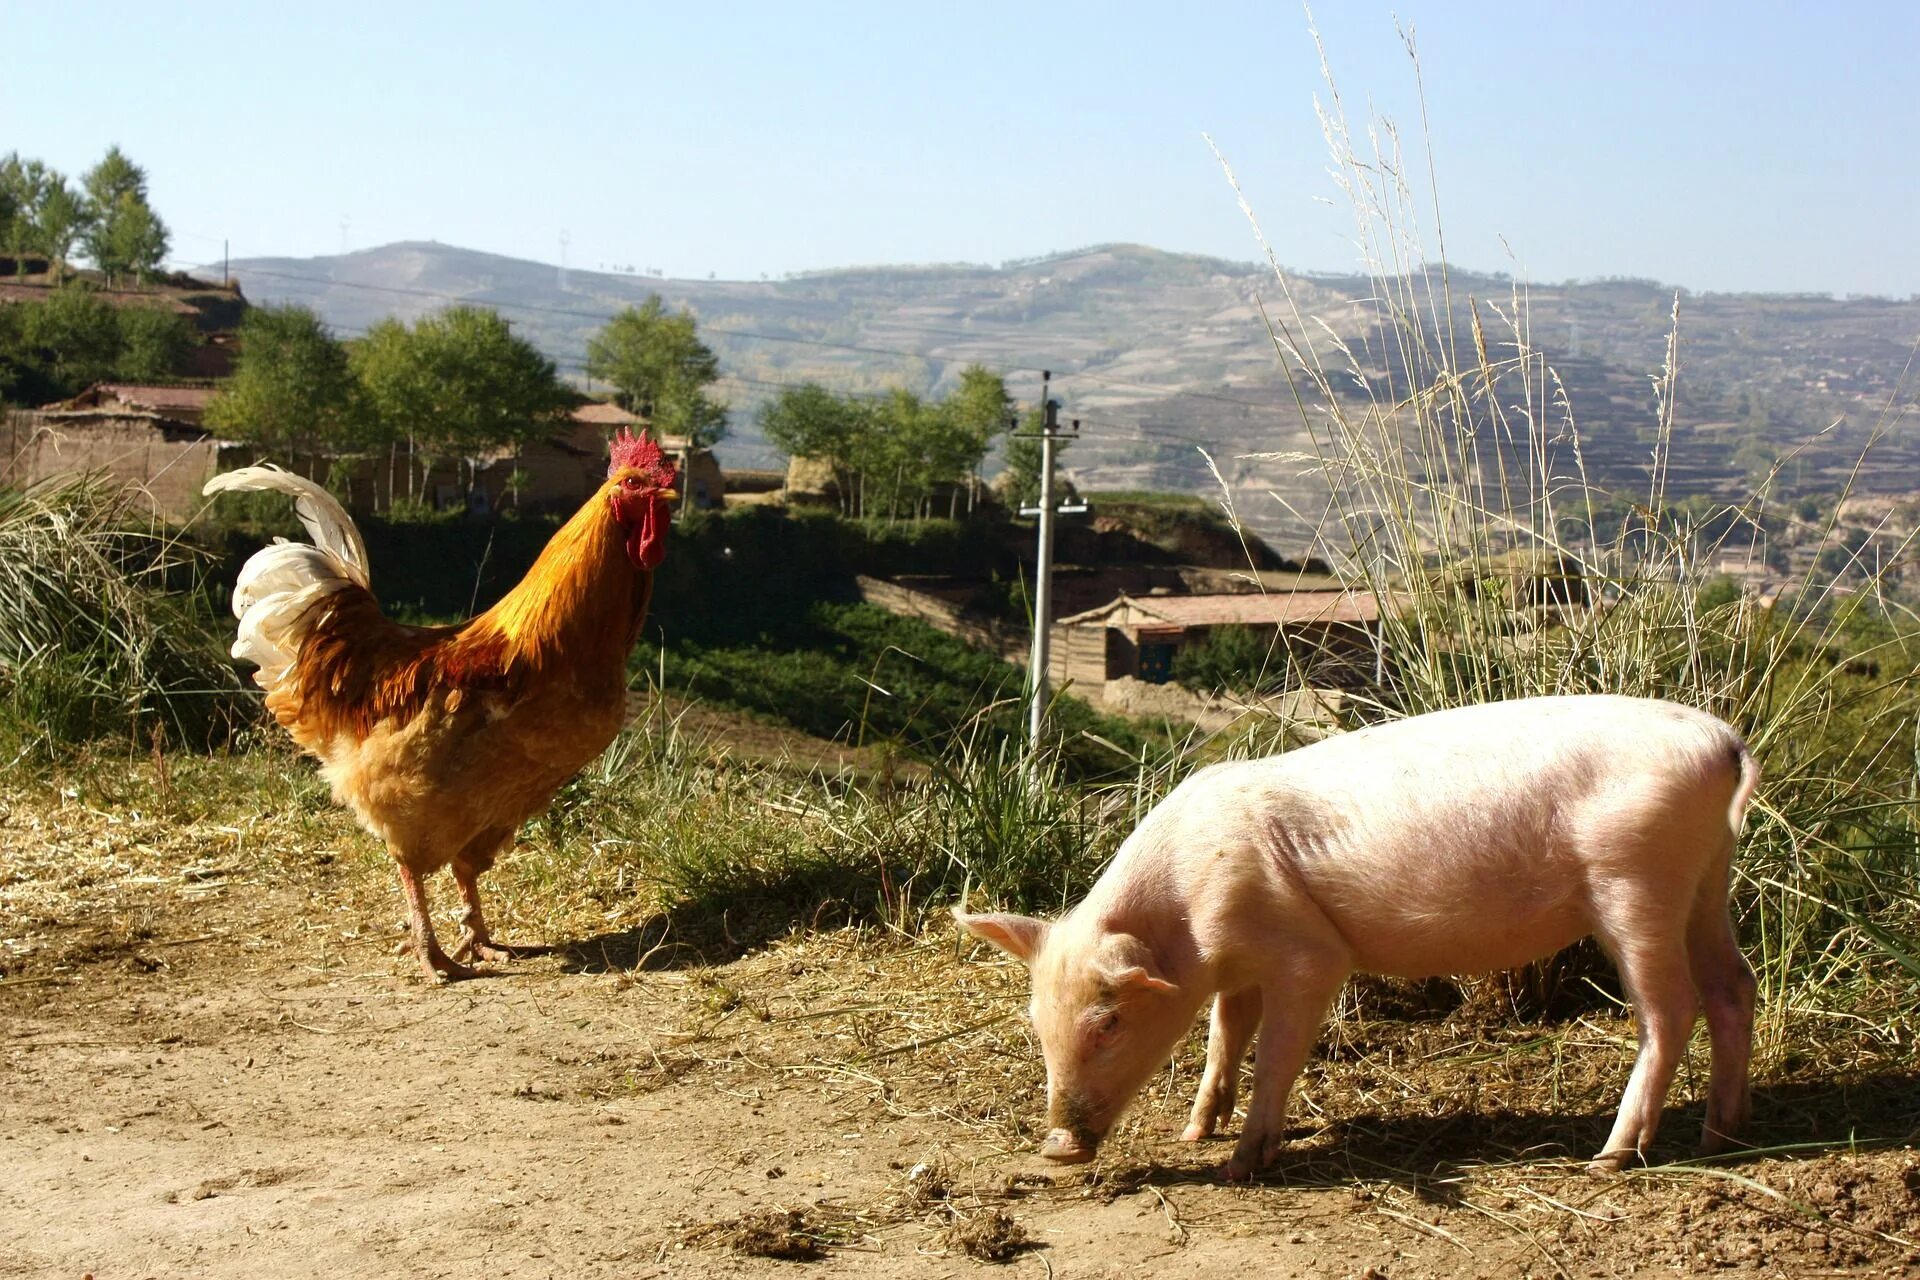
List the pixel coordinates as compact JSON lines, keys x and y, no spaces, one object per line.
{"x":443,"y":740}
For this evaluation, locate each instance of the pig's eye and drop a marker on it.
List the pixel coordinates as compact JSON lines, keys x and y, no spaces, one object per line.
{"x":1104,"y":1029}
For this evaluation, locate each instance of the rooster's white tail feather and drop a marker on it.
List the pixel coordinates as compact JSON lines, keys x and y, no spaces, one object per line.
{"x":327,"y":522}
{"x":281,"y":582}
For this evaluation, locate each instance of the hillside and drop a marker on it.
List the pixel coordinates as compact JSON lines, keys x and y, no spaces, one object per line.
{"x":1158,"y":353}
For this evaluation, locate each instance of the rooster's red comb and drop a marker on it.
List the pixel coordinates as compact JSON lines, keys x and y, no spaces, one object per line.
{"x":638,"y":452}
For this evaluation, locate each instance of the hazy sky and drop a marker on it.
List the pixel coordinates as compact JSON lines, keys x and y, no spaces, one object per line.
{"x":1715,"y":145}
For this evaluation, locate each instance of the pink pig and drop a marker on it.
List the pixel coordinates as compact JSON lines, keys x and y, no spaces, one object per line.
{"x":1459,"y":842}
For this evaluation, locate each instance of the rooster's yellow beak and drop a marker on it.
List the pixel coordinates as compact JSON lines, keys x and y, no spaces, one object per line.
{"x":671,"y":495}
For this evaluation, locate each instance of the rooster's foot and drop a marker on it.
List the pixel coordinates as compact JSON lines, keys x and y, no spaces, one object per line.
{"x":439,"y":967}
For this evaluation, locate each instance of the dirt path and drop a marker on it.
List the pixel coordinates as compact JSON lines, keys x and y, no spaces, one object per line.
{"x":246,"y":1084}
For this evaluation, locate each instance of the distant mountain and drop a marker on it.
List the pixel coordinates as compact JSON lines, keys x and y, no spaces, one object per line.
{"x":1158,"y":353}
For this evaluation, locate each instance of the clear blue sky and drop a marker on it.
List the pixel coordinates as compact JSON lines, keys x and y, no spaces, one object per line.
{"x":1715,"y":145}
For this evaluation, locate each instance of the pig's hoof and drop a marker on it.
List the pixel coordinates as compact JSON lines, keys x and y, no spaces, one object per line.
{"x":1196,"y":1132}
{"x":1062,"y":1147}
{"x":1609,"y":1163}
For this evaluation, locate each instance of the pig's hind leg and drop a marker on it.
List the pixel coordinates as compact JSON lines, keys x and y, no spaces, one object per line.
{"x":1651,"y":952}
{"x":1293,"y":1005}
{"x":1236,"y":1017}
{"x":1726,"y":987}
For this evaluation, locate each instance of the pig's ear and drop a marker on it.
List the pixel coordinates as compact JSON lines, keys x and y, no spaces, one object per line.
{"x":1018,"y":936}
{"x":1127,"y":965}
{"x":1140,"y":978}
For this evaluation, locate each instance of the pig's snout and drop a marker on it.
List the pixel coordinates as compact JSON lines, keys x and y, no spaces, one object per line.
{"x":1063,"y":1146}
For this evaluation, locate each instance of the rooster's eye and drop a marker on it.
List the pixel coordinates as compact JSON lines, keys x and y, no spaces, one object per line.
{"x":631,"y":482}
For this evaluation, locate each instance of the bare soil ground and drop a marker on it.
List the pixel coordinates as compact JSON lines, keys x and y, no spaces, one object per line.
{"x":214,"y":1067}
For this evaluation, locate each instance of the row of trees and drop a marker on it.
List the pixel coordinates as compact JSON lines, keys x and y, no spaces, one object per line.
{"x":455,"y":384}
{"x":452,"y":385}
{"x":109,"y":217}
{"x":891,"y":454}
{"x":55,"y":349}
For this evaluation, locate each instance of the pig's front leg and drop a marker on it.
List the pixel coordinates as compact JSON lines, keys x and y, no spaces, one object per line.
{"x":1294,"y":1005}
{"x":1236,"y":1016}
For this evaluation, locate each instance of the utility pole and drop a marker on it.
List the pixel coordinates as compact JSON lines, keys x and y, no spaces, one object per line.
{"x":1049,"y":434}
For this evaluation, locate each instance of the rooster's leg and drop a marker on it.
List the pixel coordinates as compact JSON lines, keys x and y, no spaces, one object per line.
{"x":477,"y":943}
{"x":435,"y":962}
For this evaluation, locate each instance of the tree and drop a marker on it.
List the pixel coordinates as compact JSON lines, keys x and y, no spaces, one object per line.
{"x":658,"y":364}
{"x":291,"y":389}
{"x":22,"y":187}
{"x":152,"y":343}
{"x":980,"y":408}
{"x":60,"y":220}
{"x":809,"y":421}
{"x":122,"y":234}
{"x":73,"y":340}
{"x":892,"y":453}
{"x":39,"y":213}
{"x":455,"y":385}
{"x":9,"y":203}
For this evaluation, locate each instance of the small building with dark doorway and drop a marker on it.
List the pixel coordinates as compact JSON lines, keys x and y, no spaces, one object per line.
{"x":1140,"y":636}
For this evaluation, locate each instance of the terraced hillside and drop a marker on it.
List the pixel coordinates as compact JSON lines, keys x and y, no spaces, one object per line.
{"x":1162,"y":354}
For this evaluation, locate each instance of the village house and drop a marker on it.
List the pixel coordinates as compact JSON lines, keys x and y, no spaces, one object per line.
{"x":152,"y":440}
{"x":184,"y":402}
{"x":1139,"y":637}
{"x":703,"y":485}
{"x":148,"y":440}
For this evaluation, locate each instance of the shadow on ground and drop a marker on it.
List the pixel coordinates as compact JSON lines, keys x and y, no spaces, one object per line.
{"x":1431,"y":1156}
{"x":725,"y":924}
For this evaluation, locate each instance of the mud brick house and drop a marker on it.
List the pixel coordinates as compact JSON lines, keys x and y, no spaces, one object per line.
{"x":702,"y":483}
{"x":148,"y":439}
{"x":152,"y":439}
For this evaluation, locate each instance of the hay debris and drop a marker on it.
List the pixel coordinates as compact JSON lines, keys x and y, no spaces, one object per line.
{"x":993,"y":1236}
{"x":785,"y":1234}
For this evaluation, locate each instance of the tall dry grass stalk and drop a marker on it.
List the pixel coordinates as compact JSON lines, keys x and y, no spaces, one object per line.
{"x":101,"y":628}
{"x":1457,"y":494}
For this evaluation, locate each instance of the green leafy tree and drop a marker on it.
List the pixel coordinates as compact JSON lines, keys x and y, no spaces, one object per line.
{"x":979,"y":407}
{"x":9,"y":205}
{"x":22,"y":187}
{"x":60,"y":220}
{"x":891,"y":458}
{"x":457,"y":384}
{"x":71,"y":341}
{"x":152,"y":343}
{"x":894,"y":453}
{"x":123,"y":234}
{"x":809,"y":421}
{"x":291,"y":390}
{"x":39,"y":213}
{"x":655,"y":360}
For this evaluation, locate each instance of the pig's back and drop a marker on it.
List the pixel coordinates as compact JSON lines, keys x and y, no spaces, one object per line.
{"x":1473,"y":839}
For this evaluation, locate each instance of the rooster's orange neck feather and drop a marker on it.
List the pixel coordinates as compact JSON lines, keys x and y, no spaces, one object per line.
{"x":577,"y":600}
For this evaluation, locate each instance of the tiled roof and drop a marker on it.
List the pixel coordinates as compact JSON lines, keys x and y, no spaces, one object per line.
{"x":158,"y":399}
{"x":598,"y":413}
{"x":1250,"y":608}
